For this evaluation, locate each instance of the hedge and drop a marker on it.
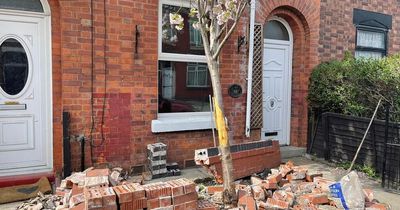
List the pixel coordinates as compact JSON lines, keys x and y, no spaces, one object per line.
{"x":354,"y":86}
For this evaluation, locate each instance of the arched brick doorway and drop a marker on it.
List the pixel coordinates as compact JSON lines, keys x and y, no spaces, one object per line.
{"x":304,"y":23}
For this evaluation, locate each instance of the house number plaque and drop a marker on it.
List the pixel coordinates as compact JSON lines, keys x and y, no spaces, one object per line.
{"x":235,"y":91}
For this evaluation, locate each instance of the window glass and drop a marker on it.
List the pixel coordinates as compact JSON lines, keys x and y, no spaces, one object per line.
{"x":186,"y":41}
{"x":26,"y":5}
{"x":275,"y":30}
{"x":371,"y":39}
{"x":183,"y":87}
{"x":368,"y":54}
{"x":14,"y":67}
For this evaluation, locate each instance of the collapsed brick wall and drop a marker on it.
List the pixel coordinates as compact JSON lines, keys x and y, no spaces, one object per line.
{"x":338,"y":34}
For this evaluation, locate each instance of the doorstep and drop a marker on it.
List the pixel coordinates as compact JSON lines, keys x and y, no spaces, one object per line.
{"x":8,"y":181}
{"x":288,"y":152}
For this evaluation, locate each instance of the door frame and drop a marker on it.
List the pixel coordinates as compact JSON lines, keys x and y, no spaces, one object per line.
{"x":46,"y":84}
{"x":288,"y":95}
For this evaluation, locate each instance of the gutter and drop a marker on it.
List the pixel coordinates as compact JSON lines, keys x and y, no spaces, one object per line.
{"x":250,"y":66}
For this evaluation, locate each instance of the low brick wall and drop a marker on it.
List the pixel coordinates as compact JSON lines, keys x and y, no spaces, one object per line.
{"x":248,"y":158}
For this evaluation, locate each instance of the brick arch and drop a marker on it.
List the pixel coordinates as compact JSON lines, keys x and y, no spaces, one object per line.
{"x":303,"y":19}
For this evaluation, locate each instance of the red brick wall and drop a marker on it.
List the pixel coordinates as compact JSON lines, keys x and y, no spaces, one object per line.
{"x":338,"y":34}
{"x":132,"y":88}
{"x":303,"y":18}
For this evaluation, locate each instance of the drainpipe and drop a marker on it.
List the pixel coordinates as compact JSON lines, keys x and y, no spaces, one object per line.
{"x":250,"y":66}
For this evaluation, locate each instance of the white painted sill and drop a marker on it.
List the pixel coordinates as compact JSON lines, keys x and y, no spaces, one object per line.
{"x":189,"y":121}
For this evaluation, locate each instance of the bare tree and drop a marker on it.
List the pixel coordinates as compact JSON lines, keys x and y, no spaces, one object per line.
{"x":217,"y":20}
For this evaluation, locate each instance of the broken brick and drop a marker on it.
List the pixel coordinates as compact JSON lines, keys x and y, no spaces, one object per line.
{"x":275,"y":204}
{"x":369,"y":195}
{"x":255,"y":180}
{"x":98,"y":172}
{"x":269,"y":185}
{"x":283,"y":196}
{"x":313,"y":199}
{"x":311,"y":175}
{"x":375,"y":206}
{"x":258,"y":193}
{"x":274,"y":178}
{"x":211,"y":190}
{"x":323,"y":183}
{"x":305,"y":207}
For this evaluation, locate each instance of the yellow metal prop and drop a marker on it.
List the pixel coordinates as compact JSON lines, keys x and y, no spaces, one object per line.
{"x":220,"y":124}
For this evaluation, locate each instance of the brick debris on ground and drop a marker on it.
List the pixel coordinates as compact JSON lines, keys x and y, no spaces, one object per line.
{"x":288,"y":187}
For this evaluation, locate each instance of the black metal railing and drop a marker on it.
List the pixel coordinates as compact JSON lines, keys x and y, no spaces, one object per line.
{"x":391,"y":160}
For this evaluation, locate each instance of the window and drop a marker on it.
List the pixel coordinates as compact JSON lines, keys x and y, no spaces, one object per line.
{"x":370,"y":43}
{"x":371,"y":33}
{"x":274,"y":29}
{"x":197,"y":75}
{"x":26,"y":5}
{"x":183,"y":80}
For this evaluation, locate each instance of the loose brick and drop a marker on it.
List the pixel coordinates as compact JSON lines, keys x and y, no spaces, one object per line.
{"x":369,"y":195}
{"x":269,"y":185}
{"x":313,"y":199}
{"x":137,"y":190}
{"x":165,"y":201}
{"x":305,"y":207}
{"x":311,"y":175}
{"x":153,"y":203}
{"x":108,"y":195}
{"x":139,"y":203}
{"x":258,"y":193}
{"x":213,"y":189}
{"x":284,"y":196}
{"x":93,"y":199}
{"x":124,"y":194}
{"x":274,"y":178}
{"x":184,"y":198}
{"x":275,"y":204}
{"x":98,"y":172}
{"x":323,"y":183}
{"x":176,"y":188}
{"x":376,"y":206}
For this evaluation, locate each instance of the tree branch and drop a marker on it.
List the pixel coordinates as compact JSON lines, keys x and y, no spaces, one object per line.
{"x":228,"y":34}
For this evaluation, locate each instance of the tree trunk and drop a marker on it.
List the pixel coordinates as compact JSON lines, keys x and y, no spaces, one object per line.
{"x":229,"y":194}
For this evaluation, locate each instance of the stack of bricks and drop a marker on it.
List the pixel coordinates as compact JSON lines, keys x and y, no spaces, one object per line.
{"x":157,"y":159}
{"x":177,"y":194}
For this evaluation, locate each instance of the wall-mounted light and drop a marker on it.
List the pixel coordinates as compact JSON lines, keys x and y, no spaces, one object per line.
{"x":241,"y":41}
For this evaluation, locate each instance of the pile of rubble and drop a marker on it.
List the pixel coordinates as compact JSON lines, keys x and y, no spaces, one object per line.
{"x":290,"y":187}
{"x":101,"y":189}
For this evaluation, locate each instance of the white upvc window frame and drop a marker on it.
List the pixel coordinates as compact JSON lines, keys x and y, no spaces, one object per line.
{"x":196,"y":77}
{"x":184,"y":121}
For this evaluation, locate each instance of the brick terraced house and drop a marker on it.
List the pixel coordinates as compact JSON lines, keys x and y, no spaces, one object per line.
{"x":124,"y":79}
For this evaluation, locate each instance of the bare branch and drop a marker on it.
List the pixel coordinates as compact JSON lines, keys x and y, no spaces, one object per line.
{"x":228,"y":34}
{"x":203,"y":30}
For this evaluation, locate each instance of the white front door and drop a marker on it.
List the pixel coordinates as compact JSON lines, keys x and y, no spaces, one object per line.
{"x":276,"y":90}
{"x":25,"y":95}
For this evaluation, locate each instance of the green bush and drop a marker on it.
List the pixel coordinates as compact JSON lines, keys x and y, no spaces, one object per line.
{"x":354,"y":86}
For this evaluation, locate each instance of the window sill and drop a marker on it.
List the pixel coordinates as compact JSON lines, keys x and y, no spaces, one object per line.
{"x":171,"y":122}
